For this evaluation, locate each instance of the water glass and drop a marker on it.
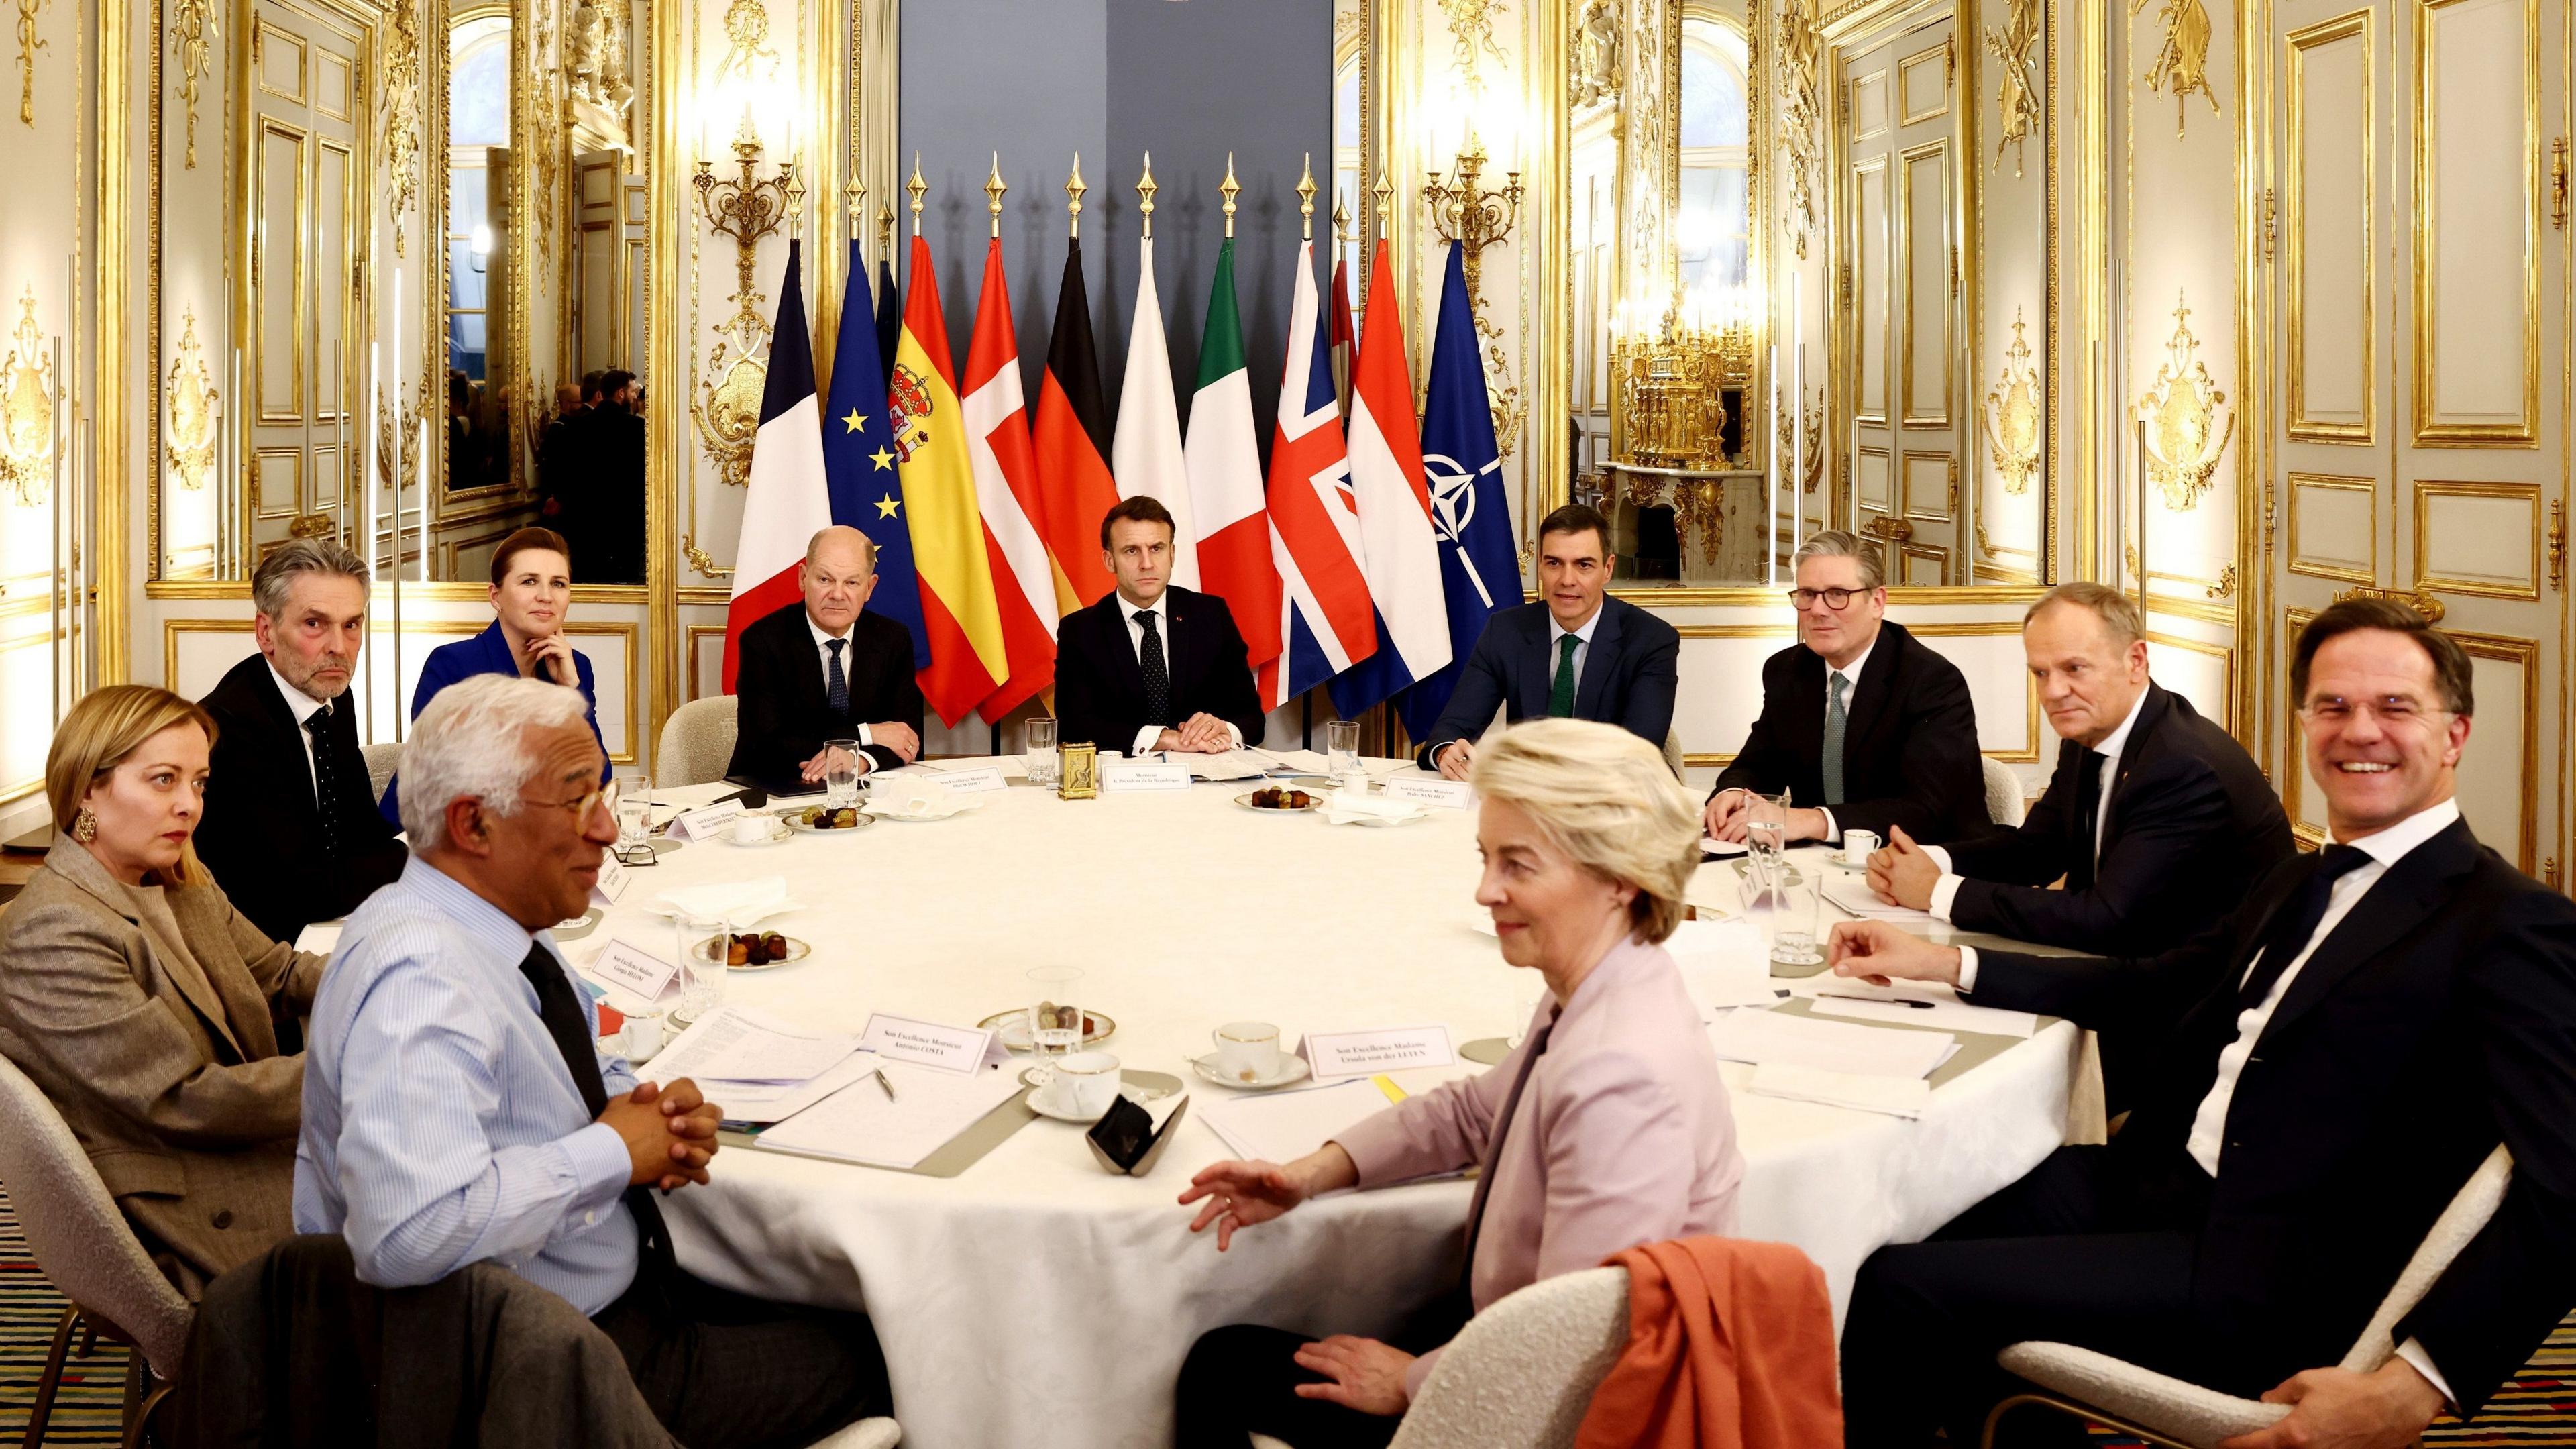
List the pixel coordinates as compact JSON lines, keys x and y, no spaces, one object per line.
{"x":840,"y":773}
{"x":705,"y":942}
{"x":1055,"y":1017}
{"x":1766,"y":834}
{"x":1786,"y":911}
{"x":635,"y":819}
{"x":1342,"y":748}
{"x":1041,"y":757}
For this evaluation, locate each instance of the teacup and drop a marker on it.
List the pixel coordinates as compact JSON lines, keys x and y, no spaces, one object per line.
{"x":1085,"y":1082}
{"x":641,"y":1036}
{"x":1858,"y":846}
{"x":1247,"y":1051}
{"x":752,"y":829}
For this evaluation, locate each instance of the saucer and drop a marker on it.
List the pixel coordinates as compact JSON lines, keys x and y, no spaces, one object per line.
{"x":1291,"y":1070}
{"x":1137,"y":1087}
{"x":1838,"y":863}
{"x":779,"y":834}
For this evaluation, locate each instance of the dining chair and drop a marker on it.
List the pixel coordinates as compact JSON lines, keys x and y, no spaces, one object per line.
{"x":2170,"y":1413}
{"x":382,"y":761}
{"x":2004,"y":803}
{"x":83,"y":1244}
{"x":696,"y":743}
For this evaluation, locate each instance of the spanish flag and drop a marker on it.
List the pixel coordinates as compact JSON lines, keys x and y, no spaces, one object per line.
{"x":967,"y":657}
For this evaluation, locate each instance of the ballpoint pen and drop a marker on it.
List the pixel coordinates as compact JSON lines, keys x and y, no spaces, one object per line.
{"x":880,"y":1075}
{"x":1905,"y":1001}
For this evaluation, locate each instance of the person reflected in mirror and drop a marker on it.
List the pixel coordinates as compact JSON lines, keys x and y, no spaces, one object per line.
{"x":2347,"y":1047}
{"x":1865,"y":726}
{"x":1608,"y":1126}
{"x":1577,"y":653}
{"x":144,"y":1005}
{"x":823,"y":669}
{"x":291,"y":829}
{"x":1152,"y":666}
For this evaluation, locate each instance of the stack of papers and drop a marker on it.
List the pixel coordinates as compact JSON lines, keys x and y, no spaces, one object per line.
{"x":1723,"y":965}
{"x":1768,"y":1038}
{"x":1853,"y":895}
{"x":866,"y":1123}
{"x":1284,"y":1126}
{"x":1232,"y":765}
{"x":1349,"y":807}
{"x":741,"y":902}
{"x":757,"y":1068}
{"x":1893,"y":1096}
{"x":1939,"y":1006}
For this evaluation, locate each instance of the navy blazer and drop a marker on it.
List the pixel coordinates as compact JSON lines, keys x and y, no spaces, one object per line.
{"x":1100,"y":689}
{"x":1629,"y":675}
{"x":488,"y":653}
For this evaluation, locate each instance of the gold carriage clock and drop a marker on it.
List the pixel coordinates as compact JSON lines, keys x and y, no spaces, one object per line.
{"x":1077,"y":771}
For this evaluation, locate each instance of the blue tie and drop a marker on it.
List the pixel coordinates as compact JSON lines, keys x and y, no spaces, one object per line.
{"x":836,"y":685}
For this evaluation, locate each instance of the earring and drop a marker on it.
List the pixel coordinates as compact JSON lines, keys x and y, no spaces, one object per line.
{"x":84,"y":826}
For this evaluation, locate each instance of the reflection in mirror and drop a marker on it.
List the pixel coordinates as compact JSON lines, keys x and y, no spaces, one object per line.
{"x":478,"y":253}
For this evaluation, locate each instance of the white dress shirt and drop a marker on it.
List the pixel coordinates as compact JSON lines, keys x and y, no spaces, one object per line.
{"x":1127,"y":610}
{"x":823,"y":652}
{"x":1851,"y":691}
{"x":303,"y":706}
{"x":1946,"y":889}
{"x":2209,"y":1125}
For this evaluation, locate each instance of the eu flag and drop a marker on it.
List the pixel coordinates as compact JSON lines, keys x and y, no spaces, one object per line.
{"x":859,"y":458}
{"x":1480,"y":571}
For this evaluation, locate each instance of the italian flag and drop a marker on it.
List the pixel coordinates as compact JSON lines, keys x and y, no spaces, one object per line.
{"x":1225,"y":478}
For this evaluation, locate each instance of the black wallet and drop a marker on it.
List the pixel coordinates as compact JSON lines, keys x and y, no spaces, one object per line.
{"x":1126,"y":1140}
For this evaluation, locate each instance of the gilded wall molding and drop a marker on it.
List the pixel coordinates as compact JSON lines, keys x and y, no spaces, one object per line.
{"x":28,"y":388}
{"x":2182,"y":60}
{"x":1597,"y":48}
{"x":193,"y":32}
{"x":1802,"y":115}
{"x":196,"y":415}
{"x":29,"y":42}
{"x":398,"y":124}
{"x":2012,"y":417}
{"x":1471,"y":31}
{"x":2015,"y":49}
{"x":2182,"y":410}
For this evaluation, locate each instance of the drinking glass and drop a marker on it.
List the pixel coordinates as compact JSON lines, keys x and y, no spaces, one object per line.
{"x":840,"y":773}
{"x":704,"y":943}
{"x":1042,"y":763}
{"x":635,"y":820}
{"x":1055,"y":1018}
{"x":1342,"y":748}
{"x":1766,"y":834}
{"x":1786,"y":912}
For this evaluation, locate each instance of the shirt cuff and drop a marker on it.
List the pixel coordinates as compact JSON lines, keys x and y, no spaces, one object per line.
{"x":1940,"y":856}
{"x":2412,"y":1350}
{"x":865,"y":736}
{"x":1145,"y":741}
{"x":1945,"y":891}
{"x":600,"y":1165}
{"x":1233,"y":735}
{"x":1833,"y":832}
{"x":1967,"y":968}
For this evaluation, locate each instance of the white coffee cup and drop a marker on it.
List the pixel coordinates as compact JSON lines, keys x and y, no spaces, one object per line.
{"x":1247,"y":1051}
{"x":752,"y":829}
{"x":1857,"y":846}
{"x":641,"y":1036}
{"x":1086,"y":1082}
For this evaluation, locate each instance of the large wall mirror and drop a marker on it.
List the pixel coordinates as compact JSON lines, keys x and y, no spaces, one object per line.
{"x":425,"y":438}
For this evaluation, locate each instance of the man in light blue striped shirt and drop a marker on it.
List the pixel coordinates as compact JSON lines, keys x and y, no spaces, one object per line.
{"x":456,"y":1108}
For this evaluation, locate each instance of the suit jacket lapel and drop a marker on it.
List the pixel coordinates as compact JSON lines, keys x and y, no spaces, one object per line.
{"x":74,"y":863}
{"x":1538,"y":648}
{"x":2393,"y":906}
{"x":1122,"y":650}
{"x":1870,"y":696}
{"x":2133,"y":752}
{"x":1598,"y":662}
{"x":291,"y":735}
{"x":1173,"y":610}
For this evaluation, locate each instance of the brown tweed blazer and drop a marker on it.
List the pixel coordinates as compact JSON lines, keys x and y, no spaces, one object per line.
{"x":162,"y":1054}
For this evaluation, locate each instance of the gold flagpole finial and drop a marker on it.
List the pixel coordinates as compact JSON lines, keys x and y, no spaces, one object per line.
{"x":994,"y":186}
{"x":1145,"y":190}
{"x":1073,"y":189}
{"x":1385,"y":202}
{"x":1229,"y":188}
{"x":919,"y":188}
{"x":1341,"y":217}
{"x":1306,"y":200}
{"x":885,"y":229}
{"x":854,"y":200}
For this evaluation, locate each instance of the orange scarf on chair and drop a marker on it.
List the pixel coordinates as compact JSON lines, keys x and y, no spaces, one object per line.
{"x":1730,"y":1346}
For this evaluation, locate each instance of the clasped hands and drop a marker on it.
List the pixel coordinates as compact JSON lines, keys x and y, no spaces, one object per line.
{"x":1902,"y":873}
{"x":669,"y":1132}
{"x":1726,"y":819}
{"x":1200,"y":734}
{"x":903,"y":739}
{"x":1358,"y":1373}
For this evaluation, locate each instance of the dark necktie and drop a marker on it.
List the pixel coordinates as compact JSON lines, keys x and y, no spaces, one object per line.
{"x":836,"y":685}
{"x":318,"y":726}
{"x":1494,"y":1148}
{"x":1835,"y":721}
{"x":1560,"y":695}
{"x":561,"y":1013}
{"x":2088,"y":820}
{"x":1158,"y":680}
{"x":2296,"y":921}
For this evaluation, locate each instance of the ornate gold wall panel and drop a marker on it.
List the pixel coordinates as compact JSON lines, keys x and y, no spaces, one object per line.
{"x":2478,"y":538}
{"x":2334,"y":528}
{"x":1927,"y":284}
{"x":2330,"y":235}
{"x":2477,"y":227}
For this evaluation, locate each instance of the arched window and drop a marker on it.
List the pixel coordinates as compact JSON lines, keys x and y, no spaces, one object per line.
{"x":1712,"y":232}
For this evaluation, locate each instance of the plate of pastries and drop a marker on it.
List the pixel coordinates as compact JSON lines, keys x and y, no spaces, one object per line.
{"x":1279,"y":799}
{"x":823,"y":819}
{"x":754,"y":950}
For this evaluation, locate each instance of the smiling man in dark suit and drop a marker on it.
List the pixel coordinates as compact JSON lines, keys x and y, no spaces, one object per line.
{"x":1152,"y":666}
{"x":822,"y":669}
{"x":291,"y":830}
{"x":1575,"y":654}
{"x":1865,"y":726}
{"x":2347,"y":1047}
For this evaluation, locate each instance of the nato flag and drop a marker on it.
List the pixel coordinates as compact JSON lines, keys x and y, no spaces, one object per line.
{"x":1480,"y":569}
{"x":859,"y":459}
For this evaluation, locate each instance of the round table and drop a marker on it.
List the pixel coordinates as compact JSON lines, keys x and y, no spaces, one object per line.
{"x":1036,"y":1299}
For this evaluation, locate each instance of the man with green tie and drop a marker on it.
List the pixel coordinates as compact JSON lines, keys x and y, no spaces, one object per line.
{"x":1575,"y":654}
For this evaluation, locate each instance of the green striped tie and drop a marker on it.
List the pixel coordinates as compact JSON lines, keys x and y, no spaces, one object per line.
{"x":1560,"y":696}
{"x":1834,"y":721}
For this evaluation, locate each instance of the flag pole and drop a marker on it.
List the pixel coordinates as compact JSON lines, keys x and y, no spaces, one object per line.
{"x":1073,"y":189}
{"x":1145,"y":189}
{"x":994,"y":186}
{"x":1305,"y":198}
{"x":918,"y":188}
{"x":1229,"y":189}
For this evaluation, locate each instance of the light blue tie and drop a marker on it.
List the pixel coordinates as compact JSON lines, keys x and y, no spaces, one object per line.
{"x":1834,"y":721}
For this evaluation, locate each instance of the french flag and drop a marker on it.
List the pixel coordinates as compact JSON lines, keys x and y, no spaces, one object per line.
{"x":1325,"y":622}
{"x":787,"y":500}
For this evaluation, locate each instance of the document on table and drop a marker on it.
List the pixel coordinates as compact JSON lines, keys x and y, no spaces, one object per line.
{"x":1232,"y":765}
{"x":776,"y":1101}
{"x":1768,"y":1037}
{"x":1853,"y":896}
{"x":1941,"y":1007}
{"x":1722,"y":964}
{"x":863,"y":1123}
{"x":739,"y":1044}
{"x":1284,"y":1126}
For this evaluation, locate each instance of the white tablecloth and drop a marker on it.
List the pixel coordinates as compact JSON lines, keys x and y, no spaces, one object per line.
{"x":1036,"y":1300}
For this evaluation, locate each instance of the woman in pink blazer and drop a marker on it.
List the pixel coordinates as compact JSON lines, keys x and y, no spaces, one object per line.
{"x":1606,"y":1128}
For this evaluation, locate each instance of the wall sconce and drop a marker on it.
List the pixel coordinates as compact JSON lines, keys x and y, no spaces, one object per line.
{"x":747,"y":208}
{"x":727,"y":409}
{"x":29,"y":375}
{"x":1470,"y":216}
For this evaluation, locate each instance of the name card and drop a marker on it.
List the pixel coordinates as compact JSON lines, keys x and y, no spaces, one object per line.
{"x":959,"y":1049}
{"x":613,"y":879}
{"x":1389,"y":1049}
{"x":633,"y":969}
{"x":976,"y":781}
{"x":1447,"y":794}
{"x":1120,"y":775}
{"x":706,"y":823}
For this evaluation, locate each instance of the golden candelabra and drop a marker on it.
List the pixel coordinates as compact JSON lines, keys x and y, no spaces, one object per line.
{"x":747,"y":208}
{"x":1678,"y":386}
{"x":727,"y":409}
{"x":1470,"y":215}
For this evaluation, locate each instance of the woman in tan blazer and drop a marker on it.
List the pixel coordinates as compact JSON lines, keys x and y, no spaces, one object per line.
{"x":147,"y":1007}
